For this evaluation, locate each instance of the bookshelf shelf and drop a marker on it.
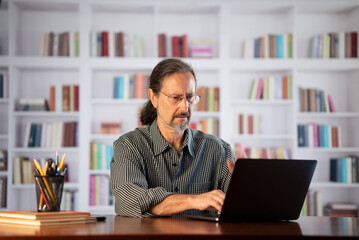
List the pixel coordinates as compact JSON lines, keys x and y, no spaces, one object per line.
{"x":327,"y":150}
{"x":112,"y":137}
{"x":263,"y":137}
{"x":46,"y":114}
{"x":334,"y":185}
{"x":119,"y":101}
{"x":45,"y":150}
{"x":329,"y":115}
{"x":262,"y":102}
{"x":31,"y":75}
{"x":100,"y":172}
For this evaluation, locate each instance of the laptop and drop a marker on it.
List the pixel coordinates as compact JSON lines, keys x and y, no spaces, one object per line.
{"x":265,"y":190}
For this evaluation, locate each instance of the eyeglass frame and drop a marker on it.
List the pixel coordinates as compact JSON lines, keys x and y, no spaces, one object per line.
{"x":181,"y":97}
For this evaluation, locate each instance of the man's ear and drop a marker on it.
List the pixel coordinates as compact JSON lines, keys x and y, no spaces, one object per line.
{"x":152,"y":97}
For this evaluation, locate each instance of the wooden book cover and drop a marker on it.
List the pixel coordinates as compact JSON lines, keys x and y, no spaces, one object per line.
{"x":35,"y":215}
{"x":185,"y":50}
{"x":76,"y":98}
{"x":47,"y":222}
{"x":121,"y":44}
{"x":216,"y":99}
{"x":312,"y":100}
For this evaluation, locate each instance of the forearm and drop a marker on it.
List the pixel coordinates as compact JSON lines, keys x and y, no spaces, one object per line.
{"x":173,"y":204}
{"x":177,"y":203}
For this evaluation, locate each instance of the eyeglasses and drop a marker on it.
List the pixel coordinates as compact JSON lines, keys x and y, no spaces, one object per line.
{"x":192,"y":98}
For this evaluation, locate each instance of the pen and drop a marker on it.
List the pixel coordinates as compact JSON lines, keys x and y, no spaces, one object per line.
{"x":42,"y":196}
{"x":37,"y":165}
{"x":56,"y":160}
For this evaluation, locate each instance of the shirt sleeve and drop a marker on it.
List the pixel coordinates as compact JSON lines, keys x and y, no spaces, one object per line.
{"x":129,"y":184}
{"x":225,"y":173}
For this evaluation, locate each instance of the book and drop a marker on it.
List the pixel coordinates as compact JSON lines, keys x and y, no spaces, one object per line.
{"x":35,"y":215}
{"x":34,"y":218}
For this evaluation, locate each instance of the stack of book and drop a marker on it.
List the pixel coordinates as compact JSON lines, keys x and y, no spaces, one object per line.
{"x":34,"y":218}
{"x":32,"y":104}
{"x":201,"y":49}
{"x":248,"y":124}
{"x":269,"y":46}
{"x":345,"y":169}
{"x":209,"y":99}
{"x":100,"y":191}
{"x":341,"y":209}
{"x":174,"y":46}
{"x":55,"y":134}
{"x":261,"y":152}
{"x":315,"y":100}
{"x":110,"y":128}
{"x":271,"y":87}
{"x":4,"y":85}
{"x":319,"y":135}
{"x":334,"y":45}
{"x":70,"y":98}
{"x":60,"y":44}
{"x":23,"y":170}
{"x":206,"y":125}
{"x":131,"y":86}
{"x":115,"y":44}
{"x":101,"y":156}
{"x":312,"y":205}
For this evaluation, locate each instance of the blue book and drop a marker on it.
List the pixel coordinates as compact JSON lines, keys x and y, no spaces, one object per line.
{"x":322,"y":101}
{"x":325,"y":135}
{"x":37,"y":141}
{"x":32,"y":135}
{"x":344,"y":170}
{"x":333,"y":169}
{"x":120,"y":87}
{"x":320,"y":135}
{"x":109,"y":153}
{"x":300,"y":136}
{"x":305,"y":134}
{"x":256,"y":48}
{"x":279,"y":46}
{"x":115,"y":88}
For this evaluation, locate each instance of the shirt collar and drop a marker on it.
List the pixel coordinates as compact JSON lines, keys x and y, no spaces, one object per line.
{"x":160,"y":144}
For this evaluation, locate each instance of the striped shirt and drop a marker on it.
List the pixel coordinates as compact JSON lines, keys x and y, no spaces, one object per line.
{"x":146,"y":168}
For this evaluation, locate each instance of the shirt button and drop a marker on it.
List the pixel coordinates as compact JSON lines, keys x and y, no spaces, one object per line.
{"x":174,"y":164}
{"x":176,"y":189}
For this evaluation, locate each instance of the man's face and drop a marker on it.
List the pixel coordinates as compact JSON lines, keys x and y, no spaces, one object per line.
{"x":173,"y":110}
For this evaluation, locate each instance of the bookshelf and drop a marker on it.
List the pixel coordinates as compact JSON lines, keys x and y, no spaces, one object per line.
{"x":227,"y":25}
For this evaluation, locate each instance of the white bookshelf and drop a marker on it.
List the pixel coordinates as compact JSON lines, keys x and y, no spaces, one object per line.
{"x":227,"y":24}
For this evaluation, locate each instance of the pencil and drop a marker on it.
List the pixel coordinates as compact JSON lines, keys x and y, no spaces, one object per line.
{"x":61,"y":165}
{"x":37,"y":165}
{"x":41,"y":197}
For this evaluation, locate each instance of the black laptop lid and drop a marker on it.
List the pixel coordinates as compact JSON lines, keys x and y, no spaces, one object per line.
{"x":267,"y":189}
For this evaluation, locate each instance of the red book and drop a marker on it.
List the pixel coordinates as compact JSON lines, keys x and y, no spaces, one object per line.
{"x":241,"y":124}
{"x":52,"y":98}
{"x":139,"y":82}
{"x":354,"y":50}
{"x":105,"y":43}
{"x":175,"y":46}
{"x":250,"y":124}
{"x":76,"y":98}
{"x":185,"y":46}
{"x":162,"y":45}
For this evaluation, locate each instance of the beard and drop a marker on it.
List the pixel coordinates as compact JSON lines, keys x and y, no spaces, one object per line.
{"x":182,"y":125}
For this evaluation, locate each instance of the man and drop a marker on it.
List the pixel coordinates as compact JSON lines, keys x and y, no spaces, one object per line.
{"x":166,"y":167}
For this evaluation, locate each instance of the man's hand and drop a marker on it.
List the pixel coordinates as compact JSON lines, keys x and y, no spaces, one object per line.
{"x":212,"y":200}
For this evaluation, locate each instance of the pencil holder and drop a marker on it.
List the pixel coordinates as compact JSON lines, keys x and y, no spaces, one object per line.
{"x":49,"y":192}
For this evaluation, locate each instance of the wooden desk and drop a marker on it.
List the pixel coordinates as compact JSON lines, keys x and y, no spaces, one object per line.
{"x":178,"y":228}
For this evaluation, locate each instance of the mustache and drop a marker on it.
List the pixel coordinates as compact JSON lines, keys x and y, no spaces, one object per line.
{"x":183,"y":114}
